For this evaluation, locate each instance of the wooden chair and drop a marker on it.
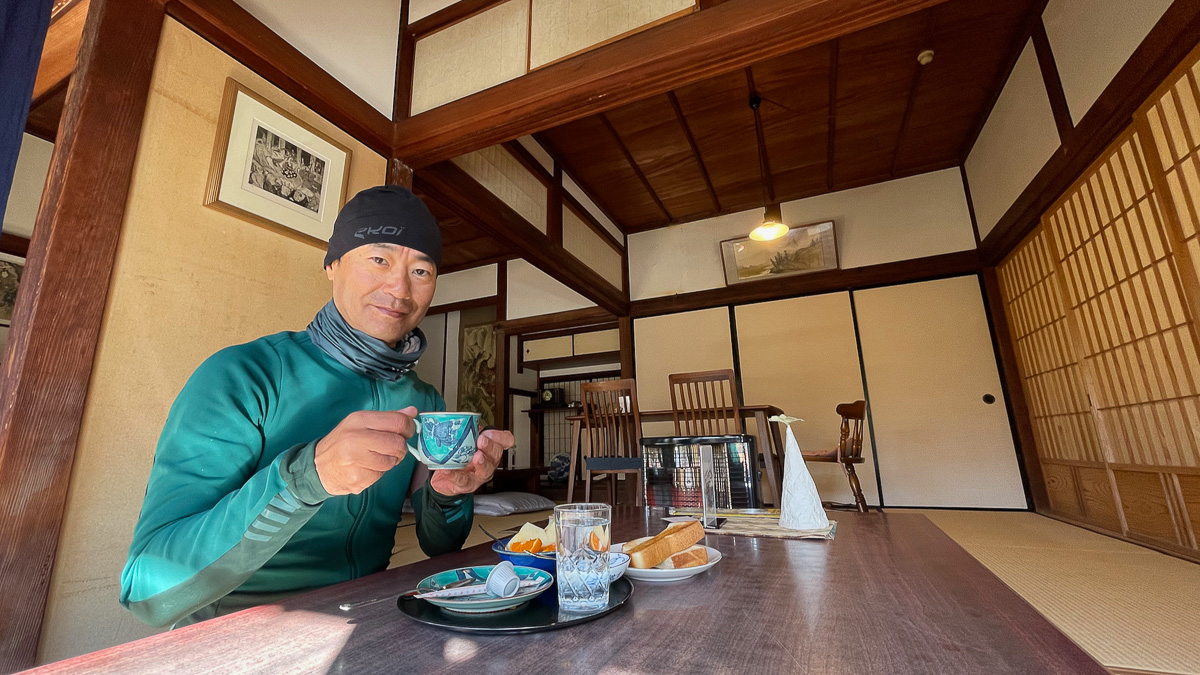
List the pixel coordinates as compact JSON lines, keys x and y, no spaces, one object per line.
{"x":705,"y":404}
{"x":849,"y":449}
{"x":613,"y":428}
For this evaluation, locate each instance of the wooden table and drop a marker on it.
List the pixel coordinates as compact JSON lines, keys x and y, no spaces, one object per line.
{"x":772,"y":447}
{"x":891,"y":595}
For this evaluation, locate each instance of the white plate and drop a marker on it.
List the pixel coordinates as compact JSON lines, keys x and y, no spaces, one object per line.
{"x":655,"y":574}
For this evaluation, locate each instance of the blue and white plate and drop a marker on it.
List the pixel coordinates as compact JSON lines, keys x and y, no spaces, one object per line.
{"x":486,"y":602}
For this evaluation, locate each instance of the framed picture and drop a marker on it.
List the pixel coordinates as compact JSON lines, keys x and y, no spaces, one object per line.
{"x":804,"y":249}
{"x":271,"y":169}
{"x":11,"y":267}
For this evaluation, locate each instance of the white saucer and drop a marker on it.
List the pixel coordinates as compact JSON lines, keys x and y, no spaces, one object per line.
{"x":655,"y":574}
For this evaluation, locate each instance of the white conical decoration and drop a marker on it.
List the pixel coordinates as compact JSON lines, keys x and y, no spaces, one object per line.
{"x":801,"y":505}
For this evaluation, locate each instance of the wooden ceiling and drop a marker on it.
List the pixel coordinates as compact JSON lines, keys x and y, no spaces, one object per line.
{"x":463,"y":244}
{"x":856,"y":111}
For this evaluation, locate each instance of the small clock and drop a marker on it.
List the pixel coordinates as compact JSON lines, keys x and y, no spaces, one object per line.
{"x":550,"y":398}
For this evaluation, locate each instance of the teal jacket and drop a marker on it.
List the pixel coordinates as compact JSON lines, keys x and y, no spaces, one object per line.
{"x":235,"y":514}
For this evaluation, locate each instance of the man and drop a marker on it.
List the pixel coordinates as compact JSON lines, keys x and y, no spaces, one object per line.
{"x":283,"y":464}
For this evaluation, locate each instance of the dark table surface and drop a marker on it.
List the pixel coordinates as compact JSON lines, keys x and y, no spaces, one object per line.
{"x":891,"y":594}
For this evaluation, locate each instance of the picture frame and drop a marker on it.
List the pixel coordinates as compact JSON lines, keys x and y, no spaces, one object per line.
{"x":271,"y":169}
{"x":11,"y":268}
{"x":803,"y":250}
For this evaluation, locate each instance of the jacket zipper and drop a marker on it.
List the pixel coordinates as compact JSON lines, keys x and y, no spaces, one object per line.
{"x":364,"y":498}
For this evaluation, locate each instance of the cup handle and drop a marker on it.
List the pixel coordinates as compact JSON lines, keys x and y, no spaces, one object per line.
{"x":416,"y":434}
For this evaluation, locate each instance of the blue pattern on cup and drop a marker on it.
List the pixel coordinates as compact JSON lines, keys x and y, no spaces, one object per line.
{"x":445,"y":440}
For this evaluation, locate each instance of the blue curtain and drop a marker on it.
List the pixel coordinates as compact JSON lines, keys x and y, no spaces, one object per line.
{"x":23,"y":25}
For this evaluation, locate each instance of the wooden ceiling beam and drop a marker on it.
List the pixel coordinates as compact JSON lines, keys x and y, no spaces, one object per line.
{"x":760,"y":135}
{"x":816,"y":283}
{"x":1032,"y":19}
{"x":561,"y":161}
{"x":833,"y":79}
{"x":637,"y":170}
{"x":912,"y":91}
{"x":687,"y":132}
{"x":459,"y":192}
{"x":61,"y":49}
{"x":725,"y":38}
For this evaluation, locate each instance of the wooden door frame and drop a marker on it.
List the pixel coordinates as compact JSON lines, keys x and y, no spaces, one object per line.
{"x":60,"y":305}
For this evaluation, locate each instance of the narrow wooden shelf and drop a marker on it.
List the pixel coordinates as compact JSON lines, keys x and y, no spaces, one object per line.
{"x":599,"y":358}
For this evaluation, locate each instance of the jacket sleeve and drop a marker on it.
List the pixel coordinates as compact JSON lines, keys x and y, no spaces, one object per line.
{"x":210,"y":519}
{"x":443,"y":523}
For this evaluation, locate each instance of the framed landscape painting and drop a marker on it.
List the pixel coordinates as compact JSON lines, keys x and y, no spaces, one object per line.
{"x":271,"y":169}
{"x":804,"y":249}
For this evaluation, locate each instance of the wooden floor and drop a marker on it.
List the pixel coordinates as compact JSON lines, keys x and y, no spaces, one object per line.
{"x":1131,"y":608}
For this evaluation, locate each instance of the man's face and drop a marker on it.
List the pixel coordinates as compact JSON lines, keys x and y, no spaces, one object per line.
{"x":383,"y":290}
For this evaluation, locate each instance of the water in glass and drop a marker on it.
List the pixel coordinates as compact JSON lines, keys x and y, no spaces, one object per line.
{"x":583,"y":541}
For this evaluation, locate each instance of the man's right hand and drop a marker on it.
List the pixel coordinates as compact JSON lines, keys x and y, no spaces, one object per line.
{"x":362,"y":447}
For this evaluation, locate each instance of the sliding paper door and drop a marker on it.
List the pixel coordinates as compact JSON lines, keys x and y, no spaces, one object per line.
{"x":931,"y":372}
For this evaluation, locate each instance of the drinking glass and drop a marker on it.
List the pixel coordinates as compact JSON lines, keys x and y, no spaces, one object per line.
{"x":583,"y":539}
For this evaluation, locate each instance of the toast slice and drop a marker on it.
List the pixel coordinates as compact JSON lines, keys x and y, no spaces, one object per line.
{"x":677,"y":537}
{"x":694,"y":556}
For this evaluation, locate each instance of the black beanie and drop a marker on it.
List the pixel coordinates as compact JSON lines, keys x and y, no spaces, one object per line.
{"x":388,"y":214}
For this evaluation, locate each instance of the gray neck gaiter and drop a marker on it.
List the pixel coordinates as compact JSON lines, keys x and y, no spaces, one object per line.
{"x":360,"y":352}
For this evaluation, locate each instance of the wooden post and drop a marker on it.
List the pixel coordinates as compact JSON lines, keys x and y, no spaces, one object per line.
{"x":47,"y":362}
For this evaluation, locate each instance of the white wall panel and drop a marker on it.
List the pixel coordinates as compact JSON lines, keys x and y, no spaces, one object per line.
{"x":532,"y":292}
{"x":582,"y":197}
{"x":581,"y":241}
{"x":1092,"y":39}
{"x":929,"y":361}
{"x":564,"y":27}
{"x":1017,"y":139}
{"x":325,"y":31}
{"x":502,"y":174}
{"x":678,"y":343}
{"x":539,"y":153}
{"x":419,"y":9}
{"x":29,"y":181}
{"x":470,"y":56}
{"x":911,"y":217}
{"x":430,"y":366}
{"x":801,"y":355}
{"x":477,"y":282}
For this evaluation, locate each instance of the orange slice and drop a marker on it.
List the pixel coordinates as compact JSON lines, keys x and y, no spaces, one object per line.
{"x":595,"y":544}
{"x":549,"y":548}
{"x":529,"y":546}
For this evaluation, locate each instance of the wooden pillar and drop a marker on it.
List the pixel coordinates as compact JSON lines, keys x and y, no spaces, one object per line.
{"x":399,"y":173}
{"x":23,"y":27}
{"x":47,"y":362}
{"x":625,"y":330}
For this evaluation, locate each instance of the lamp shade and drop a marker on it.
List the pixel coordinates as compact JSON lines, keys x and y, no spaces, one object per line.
{"x":772,"y":226}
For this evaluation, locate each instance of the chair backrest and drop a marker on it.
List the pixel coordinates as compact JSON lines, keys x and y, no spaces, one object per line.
{"x":611,"y":421}
{"x":850,"y":445}
{"x":705,"y":404}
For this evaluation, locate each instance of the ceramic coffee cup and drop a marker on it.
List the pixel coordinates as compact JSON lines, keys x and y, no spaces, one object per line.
{"x":445,"y":440}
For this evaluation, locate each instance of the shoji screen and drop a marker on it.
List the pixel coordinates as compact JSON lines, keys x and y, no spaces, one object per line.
{"x":930,"y":363}
{"x":802,"y":356}
{"x":1063,"y":425}
{"x":677,"y":343}
{"x":1117,"y":255}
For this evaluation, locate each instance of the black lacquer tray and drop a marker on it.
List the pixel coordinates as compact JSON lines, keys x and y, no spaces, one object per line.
{"x":539,"y":614}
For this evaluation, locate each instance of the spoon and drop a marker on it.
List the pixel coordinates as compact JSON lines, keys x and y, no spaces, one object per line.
{"x":347,"y":606}
{"x":487,"y":533}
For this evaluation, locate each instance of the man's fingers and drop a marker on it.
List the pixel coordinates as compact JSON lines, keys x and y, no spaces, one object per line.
{"x":391,"y":421}
{"x":384,"y":442}
{"x":375,"y":461}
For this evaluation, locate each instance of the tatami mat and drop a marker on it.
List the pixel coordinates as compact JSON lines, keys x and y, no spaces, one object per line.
{"x":1127,"y":606}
